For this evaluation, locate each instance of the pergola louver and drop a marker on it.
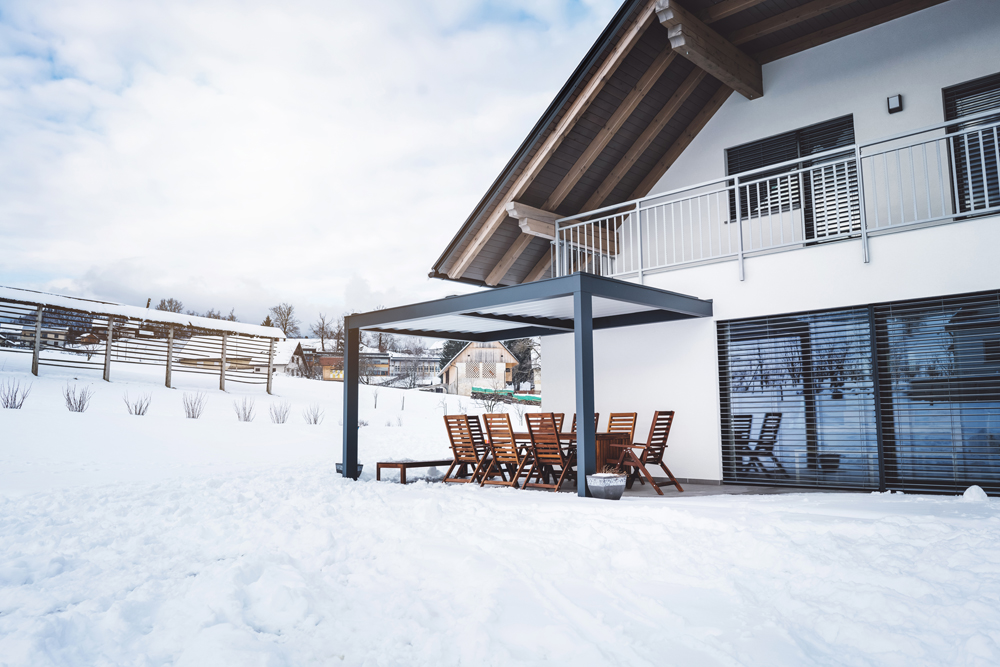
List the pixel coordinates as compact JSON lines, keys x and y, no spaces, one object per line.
{"x":576,"y":304}
{"x":653,"y":80}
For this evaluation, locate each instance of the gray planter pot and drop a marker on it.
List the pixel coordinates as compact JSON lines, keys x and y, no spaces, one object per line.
{"x":606,"y":487}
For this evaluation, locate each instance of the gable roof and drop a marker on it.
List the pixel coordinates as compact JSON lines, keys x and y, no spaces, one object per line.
{"x":628,"y":111}
{"x":446,"y":366}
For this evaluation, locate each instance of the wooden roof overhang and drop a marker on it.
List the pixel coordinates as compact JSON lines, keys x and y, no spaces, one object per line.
{"x":651,"y":82}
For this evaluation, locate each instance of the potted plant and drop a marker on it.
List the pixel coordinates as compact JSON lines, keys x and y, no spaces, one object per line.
{"x":609,"y":484}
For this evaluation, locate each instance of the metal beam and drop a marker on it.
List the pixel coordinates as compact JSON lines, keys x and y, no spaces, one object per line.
{"x":583,"y":356}
{"x":352,"y":353}
{"x":544,"y":322}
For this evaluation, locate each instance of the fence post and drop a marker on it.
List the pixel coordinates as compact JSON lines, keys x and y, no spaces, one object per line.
{"x":107,"y":349}
{"x":222,"y":363}
{"x":739,"y":224}
{"x":270,"y":364}
{"x":38,"y":341}
{"x":170,"y":356}
{"x":861,"y":204}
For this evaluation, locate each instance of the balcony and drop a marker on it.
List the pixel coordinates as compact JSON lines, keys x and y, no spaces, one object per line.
{"x":934,"y":175}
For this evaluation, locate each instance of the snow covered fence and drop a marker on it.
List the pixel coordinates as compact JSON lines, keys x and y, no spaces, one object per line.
{"x":70,"y":332}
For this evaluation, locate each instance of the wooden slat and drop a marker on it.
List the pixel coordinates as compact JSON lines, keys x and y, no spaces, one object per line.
{"x":727,"y":8}
{"x":503,"y":266}
{"x":546,"y":230}
{"x":844,"y":28}
{"x":645,"y":139}
{"x":786,"y":19}
{"x":710,"y":51}
{"x":548,"y":147}
{"x":682,"y":142}
{"x":606,"y":133}
{"x":541,"y":269}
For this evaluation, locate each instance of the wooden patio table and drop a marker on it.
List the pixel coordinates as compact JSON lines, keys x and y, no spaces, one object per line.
{"x":608,"y":445}
{"x":403,"y":466}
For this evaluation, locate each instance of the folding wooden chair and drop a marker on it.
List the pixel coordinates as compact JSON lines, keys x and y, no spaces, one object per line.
{"x":764,"y":445}
{"x":548,"y":456}
{"x":742,"y":426}
{"x":597,"y":419}
{"x":623,"y":422}
{"x":651,"y":452}
{"x":464,"y":448}
{"x":559,"y":417}
{"x":506,"y":456}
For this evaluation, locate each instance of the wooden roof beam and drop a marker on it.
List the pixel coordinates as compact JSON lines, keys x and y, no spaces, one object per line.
{"x":786,"y":19}
{"x":541,"y":269}
{"x":573,"y":114}
{"x":520,"y":244}
{"x":726,"y":8}
{"x":533,"y":222}
{"x":668,"y":111}
{"x":606,"y":133}
{"x":710,"y":51}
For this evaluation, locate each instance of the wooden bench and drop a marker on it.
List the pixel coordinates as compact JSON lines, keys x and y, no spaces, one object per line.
{"x":403,"y":466}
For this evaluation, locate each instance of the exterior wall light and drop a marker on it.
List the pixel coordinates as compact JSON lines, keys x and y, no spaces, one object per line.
{"x":895,"y":103}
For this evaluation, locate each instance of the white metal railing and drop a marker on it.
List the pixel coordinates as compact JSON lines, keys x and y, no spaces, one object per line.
{"x":935,"y":174}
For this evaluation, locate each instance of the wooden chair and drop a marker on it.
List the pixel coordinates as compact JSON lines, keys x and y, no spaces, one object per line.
{"x":597,"y":419}
{"x":623,"y":422}
{"x":478,"y":435}
{"x":505,"y":454}
{"x":651,"y":452}
{"x":548,"y":456}
{"x":764,"y":444}
{"x":559,"y":417}
{"x":464,"y":447}
{"x":742,"y":427}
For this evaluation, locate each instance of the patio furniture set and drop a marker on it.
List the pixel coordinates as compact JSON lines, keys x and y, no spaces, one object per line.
{"x":545,"y":455}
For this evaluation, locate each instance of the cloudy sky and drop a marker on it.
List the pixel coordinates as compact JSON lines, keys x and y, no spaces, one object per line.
{"x":238,"y":154}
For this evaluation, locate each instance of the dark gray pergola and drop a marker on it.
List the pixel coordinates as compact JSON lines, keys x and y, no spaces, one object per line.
{"x":575,"y":304}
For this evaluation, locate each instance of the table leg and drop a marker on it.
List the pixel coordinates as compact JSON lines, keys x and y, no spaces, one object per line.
{"x":402,"y":475}
{"x":378,"y":472}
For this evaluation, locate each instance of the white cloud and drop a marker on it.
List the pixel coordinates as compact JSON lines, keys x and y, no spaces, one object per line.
{"x":242,"y":153}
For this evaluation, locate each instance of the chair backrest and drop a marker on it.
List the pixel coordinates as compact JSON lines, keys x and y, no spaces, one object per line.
{"x":769,"y":431}
{"x":622,"y":422}
{"x":544,"y":438}
{"x":501,"y":438}
{"x":478,"y":437}
{"x":597,"y":420}
{"x":560,"y":417}
{"x":460,"y":435}
{"x":742,"y":426}
{"x":659,"y":431}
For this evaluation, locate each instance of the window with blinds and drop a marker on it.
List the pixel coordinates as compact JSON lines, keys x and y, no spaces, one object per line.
{"x":903,"y":395}
{"x":975,"y":150}
{"x":827,"y":195}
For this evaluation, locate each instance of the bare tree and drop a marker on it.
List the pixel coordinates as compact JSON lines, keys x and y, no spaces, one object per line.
{"x":492,"y":398}
{"x":194,"y":405}
{"x":170,"y":305}
{"x":12,"y":394}
{"x":323,"y":329}
{"x":283,"y":316}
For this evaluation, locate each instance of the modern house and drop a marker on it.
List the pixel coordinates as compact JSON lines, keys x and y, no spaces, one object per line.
{"x":825,"y":173}
{"x":489,"y":365}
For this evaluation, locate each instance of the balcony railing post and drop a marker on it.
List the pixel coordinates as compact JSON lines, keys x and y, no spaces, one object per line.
{"x":861,"y":203}
{"x":638,"y":234}
{"x":739,"y":225}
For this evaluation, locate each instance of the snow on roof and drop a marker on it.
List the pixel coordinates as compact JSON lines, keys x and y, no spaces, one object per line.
{"x":283,"y":351}
{"x":135,"y":312}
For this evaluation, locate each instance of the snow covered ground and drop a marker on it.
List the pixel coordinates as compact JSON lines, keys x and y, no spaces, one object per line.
{"x":159,"y":540}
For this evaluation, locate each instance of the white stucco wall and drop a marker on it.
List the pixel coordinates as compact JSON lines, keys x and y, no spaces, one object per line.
{"x":673,"y":366}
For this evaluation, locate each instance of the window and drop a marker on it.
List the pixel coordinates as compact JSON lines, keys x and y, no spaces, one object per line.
{"x":991,"y":351}
{"x":826,"y":193}
{"x":974,"y":149}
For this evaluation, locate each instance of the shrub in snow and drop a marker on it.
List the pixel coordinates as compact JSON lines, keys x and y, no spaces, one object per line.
{"x":313,"y":414}
{"x":77,"y":400}
{"x":975,"y":494}
{"x":388,"y":422}
{"x":138,"y":406}
{"x":362,"y":422}
{"x":194,"y":405}
{"x":12,"y":394}
{"x":399,"y":422}
{"x":244,"y":409}
{"x":375,"y":396}
{"x":279,"y":412}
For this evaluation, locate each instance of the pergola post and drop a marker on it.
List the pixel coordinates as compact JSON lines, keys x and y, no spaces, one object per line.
{"x":583,"y":351}
{"x":38,"y":341}
{"x":352,"y":351}
{"x":270,"y":364}
{"x":222,"y":364}
{"x":170,"y":357}
{"x":107,"y":349}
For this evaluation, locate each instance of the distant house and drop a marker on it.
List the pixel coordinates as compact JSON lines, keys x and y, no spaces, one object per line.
{"x":331,"y":367}
{"x":51,"y":336}
{"x":289,"y":358}
{"x":488,"y":365}
{"x":87,"y":339}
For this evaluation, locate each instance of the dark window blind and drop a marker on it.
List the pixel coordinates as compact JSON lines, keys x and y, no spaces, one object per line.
{"x":974,"y":151}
